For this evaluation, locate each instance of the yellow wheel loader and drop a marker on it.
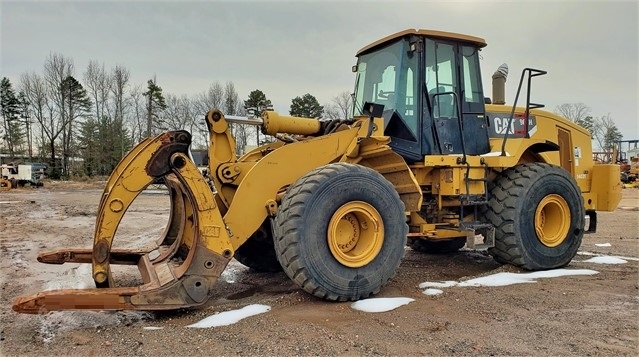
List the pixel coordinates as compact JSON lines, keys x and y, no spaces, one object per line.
{"x":6,"y":181}
{"x":5,"y":184}
{"x":425,"y":162}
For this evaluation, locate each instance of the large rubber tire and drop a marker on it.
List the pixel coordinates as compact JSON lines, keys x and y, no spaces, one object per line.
{"x":318,"y":215}
{"x":258,"y":252}
{"x":436,"y":247}
{"x":538,"y":213}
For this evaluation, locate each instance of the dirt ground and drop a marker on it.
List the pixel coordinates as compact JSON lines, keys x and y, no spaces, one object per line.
{"x":573,"y":315}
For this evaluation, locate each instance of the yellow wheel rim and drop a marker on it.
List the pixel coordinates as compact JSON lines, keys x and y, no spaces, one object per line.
{"x":552,"y":220}
{"x":355,"y":234}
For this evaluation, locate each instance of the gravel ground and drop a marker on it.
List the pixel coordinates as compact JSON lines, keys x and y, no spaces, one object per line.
{"x":574,"y":315}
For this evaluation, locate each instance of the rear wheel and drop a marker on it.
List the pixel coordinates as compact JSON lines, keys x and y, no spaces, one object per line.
{"x":436,"y":247}
{"x":340,"y":232}
{"x":258,"y":252}
{"x":538,"y":213}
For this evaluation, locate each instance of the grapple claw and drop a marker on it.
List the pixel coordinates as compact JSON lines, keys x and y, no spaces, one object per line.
{"x":186,"y":261}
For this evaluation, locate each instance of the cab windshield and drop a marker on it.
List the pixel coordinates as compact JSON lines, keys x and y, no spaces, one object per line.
{"x":388,"y":76}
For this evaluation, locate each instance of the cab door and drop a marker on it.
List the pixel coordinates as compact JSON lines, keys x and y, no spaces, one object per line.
{"x":441,"y":79}
{"x":475,"y":128}
{"x":453,"y":82}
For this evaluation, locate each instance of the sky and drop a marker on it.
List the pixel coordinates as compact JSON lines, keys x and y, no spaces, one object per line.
{"x":287,"y":49}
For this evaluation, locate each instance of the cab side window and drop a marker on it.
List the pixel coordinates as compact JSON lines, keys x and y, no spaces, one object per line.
{"x":472,"y":101}
{"x":441,"y":77}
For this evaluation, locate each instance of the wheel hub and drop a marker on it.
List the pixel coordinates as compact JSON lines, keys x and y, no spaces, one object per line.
{"x":355,"y":234}
{"x":552,"y":220}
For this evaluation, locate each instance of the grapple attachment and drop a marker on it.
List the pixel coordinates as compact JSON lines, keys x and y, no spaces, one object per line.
{"x":182,"y":266}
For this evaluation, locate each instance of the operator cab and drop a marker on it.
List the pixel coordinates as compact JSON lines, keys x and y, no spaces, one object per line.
{"x":430,"y":85}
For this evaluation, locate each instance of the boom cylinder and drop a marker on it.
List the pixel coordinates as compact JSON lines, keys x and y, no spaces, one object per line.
{"x":275,"y":123}
{"x":272,"y":123}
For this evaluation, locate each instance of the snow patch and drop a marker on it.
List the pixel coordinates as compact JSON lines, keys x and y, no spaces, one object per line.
{"x":380,"y":304}
{"x":433,"y":292}
{"x":443,"y":284}
{"x":606,"y":260}
{"x":503,"y":279}
{"x":603,"y":255}
{"x":586,"y":253}
{"x":231,"y":317}
{"x":233,"y":270}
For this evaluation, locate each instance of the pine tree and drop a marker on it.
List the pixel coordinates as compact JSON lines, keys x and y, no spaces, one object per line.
{"x":10,"y":108}
{"x":258,"y":103}
{"x":78,"y":105}
{"x":306,"y":106}
{"x":155,"y":104}
{"x":612,"y":135}
{"x":89,"y":143}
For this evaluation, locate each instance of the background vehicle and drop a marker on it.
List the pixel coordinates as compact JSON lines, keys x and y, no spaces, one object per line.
{"x":5,"y":185}
{"x":627,"y":157}
{"x":424,"y":162}
{"x":21,"y":175}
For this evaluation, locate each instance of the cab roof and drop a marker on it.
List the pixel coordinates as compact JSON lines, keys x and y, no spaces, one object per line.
{"x":479,"y":42}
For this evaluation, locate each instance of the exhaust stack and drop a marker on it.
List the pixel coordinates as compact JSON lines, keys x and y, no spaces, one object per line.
{"x":499,"y":84}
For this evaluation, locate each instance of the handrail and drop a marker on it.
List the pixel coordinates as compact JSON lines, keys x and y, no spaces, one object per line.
{"x":531,"y":73}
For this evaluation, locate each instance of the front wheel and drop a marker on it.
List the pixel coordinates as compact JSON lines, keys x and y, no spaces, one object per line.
{"x":538,"y":213}
{"x":340,"y":232}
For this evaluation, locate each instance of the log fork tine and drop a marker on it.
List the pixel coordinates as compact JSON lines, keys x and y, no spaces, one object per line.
{"x":187,"y":260}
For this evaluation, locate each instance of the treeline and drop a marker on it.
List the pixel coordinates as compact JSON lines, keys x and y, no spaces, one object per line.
{"x":603,"y":129}
{"x":82,"y":123}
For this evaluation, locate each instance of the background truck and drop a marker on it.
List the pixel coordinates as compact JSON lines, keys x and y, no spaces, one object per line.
{"x":21,"y":175}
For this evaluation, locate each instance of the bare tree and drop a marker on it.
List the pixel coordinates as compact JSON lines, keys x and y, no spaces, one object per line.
{"x":212,"y":98}
{"x":119,"y":83}
{"x":242,"y":132}
{"x":98,"y":85}
{"x":35,"y":91}
{"x":233,"y":106}
{"x":341,"y":107}
{"x":606,"y":133}
{"x":56,"y":69}
{"x":138,"y":120}
{"x":178,"y":114}
{"x":202,"y":103}
{"x":25,"y":116}
{"x":573,"y":111}
{"x":344,"y":101}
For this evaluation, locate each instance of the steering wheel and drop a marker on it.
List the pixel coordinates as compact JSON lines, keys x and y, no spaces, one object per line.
{"x":385,"y":95}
